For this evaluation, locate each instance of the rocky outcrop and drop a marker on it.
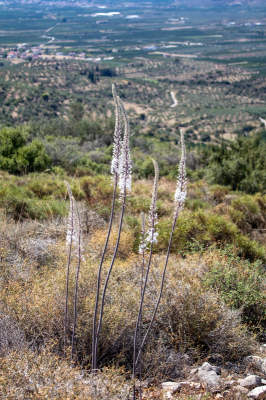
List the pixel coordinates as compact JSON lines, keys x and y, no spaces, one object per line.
{"x":223,"y":380}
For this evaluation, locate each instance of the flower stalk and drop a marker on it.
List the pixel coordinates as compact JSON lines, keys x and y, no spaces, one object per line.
{"x":150,"y":239}
{"x":115,"y":172}
{"x":180,"y":197}
{"x":74,"y":238}
{"x":69,"y":243}
{"x":125,"y":188}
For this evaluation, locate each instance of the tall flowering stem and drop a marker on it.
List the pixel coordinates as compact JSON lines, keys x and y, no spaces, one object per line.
{"x":115,"y":169}
{"x":180,"y":197}
{"x":74,"y":239}
{"x":79,"y":254}
{"x":142,"y":250}
{"x":69,"y":242}
{"x":125,"y":188}
{"x":150,"y":240}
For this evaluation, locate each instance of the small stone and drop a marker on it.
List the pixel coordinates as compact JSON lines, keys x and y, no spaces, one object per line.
{"x":263,"y":382}
{"x":251,"y":381}
{"x":208,"y":367}
{"x":195,"y":386}
{"x":240,"y":389}
{"x":190,"y":385}
{"x":171,"y":387}
{"x":258,"y":393}
{"x":219,"y":396}
{"x":208,"y":376}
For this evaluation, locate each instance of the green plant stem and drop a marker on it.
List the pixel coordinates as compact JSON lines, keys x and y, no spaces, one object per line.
{"x":67,"y":278}
{"x":162,"y":283}
{"x":139,"y":319}
{"x":107,"y":279}
{"x":94,"y":361}
{"x":76,"y":285}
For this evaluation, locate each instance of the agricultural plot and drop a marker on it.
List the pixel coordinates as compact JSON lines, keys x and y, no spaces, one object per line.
{"x":213,"y":102}
{"x":211,"y":58}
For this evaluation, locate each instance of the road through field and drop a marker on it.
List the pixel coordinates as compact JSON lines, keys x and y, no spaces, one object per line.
{"x":174,"y":100}
{"x":263,"y":121}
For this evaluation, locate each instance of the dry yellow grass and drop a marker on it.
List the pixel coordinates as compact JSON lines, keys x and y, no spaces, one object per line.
{"x":189,"y":314}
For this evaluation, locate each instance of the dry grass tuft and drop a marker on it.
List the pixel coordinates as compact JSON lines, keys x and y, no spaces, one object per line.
{"x":125,"y":248}
{"x":28,"y":375}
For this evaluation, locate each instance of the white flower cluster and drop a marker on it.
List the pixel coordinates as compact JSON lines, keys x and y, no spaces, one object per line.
{"x":153,"y":218}
{"x":74,"y":229}
{"x":125,"y":168}
{"x":121,"y":162}
{"x":181,"y":189}
{"x":117,"y":136}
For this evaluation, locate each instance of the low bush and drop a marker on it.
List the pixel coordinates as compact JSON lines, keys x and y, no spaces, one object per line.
{"x":242,"y":285}
{"x":18,"y":157}
{"x":240,"y":164}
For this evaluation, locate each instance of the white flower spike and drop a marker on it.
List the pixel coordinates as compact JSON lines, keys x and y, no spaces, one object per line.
{"x":125,"y":169}
{"x":181,"y":188}
{"x":153,"y":219}
{"x":117,"y":136}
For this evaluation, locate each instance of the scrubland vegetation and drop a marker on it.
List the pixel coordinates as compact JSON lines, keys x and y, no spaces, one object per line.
{"x":214,"y":295}
{"x":57,"y":124}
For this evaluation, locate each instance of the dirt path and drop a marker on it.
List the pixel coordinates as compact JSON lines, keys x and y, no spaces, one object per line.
{"x":174,"y":100}
{"x":263,"y":121}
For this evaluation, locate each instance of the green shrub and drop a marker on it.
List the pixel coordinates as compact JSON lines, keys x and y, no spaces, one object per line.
{"x":196,"y":204}
{"x":134,"y":224}
{"x":16,"y":156}
{"x":204,"y":229}
{"x":242,"y":286}
{"x":240,"y":164}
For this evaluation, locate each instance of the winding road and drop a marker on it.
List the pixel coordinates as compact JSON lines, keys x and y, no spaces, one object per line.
{"x":175,"y":102}
{"x":48,"y":37}
{"x":263,"y":121}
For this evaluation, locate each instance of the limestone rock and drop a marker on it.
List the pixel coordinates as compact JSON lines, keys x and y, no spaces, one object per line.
{"x":208,"y":375}
{"x":251,"y":381}
{"x":190,"y":385}
{"x":208,"y":367}
{"x":171,"y":387}
{"x":240,"y":389}
{"x":263,"y":366}
{"x":258,"y":393}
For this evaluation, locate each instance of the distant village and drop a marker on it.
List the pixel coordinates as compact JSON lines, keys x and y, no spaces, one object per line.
{"x":25,"y":51}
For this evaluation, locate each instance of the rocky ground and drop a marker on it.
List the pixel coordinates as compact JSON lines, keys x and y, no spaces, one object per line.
{"x":222,"y":380}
